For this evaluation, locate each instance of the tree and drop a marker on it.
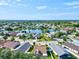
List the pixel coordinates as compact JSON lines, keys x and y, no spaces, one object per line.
{"x":77,"y":34}
{"x":1,"y":33}
{"x":34,"y":43}
{"x":5,"y":54}
{"x":8,"y":54}
{"x":22,"y":37}
{"x":9,"y":29}
{"x":5,"y":37}
{"x":65,"y":38}
{"x":12,"y":39}
{"x":59,"y":34}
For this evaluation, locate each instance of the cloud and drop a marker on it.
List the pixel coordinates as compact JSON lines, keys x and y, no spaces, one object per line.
{"x":41,"y":7}
{"x":4,"y":2}
{"x":21,"y":5}
{"x":18,"y":0}
{"x":12,"y":3}
{"x":75,"y":6}
{"x":72,"y":3}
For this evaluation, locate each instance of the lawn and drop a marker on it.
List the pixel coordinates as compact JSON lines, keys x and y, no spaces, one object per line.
{"x":41,"y":40}
{"x":31,"y":50}
{"x":55,"y":56}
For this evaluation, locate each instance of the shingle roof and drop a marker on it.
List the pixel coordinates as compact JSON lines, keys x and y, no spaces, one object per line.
{"x":2,"y":42}
{"x":72,"y":46}
{"x":24,"y":47}
{"x":11,"y":44}
{"x":60,"y":51}
{"x":13,"y":33}
{"x":41,"y":48}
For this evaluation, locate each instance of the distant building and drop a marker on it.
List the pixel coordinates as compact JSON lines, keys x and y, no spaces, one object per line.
{"x":77,"y":29}
{"x":40,"y":50}
{"x":2,"y":43}
{"x":32,"y":31}
{"x":75,"y":42}
{"x":68,"y":28}
{"x":58,"y":39}
{"x":12,"y":33}
{"x":48,"y":35}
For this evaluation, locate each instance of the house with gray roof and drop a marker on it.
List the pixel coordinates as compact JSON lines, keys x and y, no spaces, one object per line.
{"x":25,"y":47}
{"x":57,"y":50}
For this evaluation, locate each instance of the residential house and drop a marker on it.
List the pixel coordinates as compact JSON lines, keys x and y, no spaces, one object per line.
{"x":57,"y":50}
{"x":77,"y":29}
{"x":40,"y":50}
{"x":72,"y":47}
{"x":68,"y":28}
{"x":11,"y":44}
{"x":25,"y":47}
{"x":58,"y":39}
{"x":2,"y":43}
{"x":12,"y":33}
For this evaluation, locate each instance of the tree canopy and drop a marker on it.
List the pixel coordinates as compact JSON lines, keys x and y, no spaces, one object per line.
{"x":8,"y":54}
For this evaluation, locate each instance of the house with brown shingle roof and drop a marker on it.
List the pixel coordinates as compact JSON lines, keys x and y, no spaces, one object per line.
{"x":9,"y":44}
{"x":72,"y":47}
{"x":40,"y":50}
{"x":2,"y":43}
{"x":68,"y":28}
{"x":12,"y":33}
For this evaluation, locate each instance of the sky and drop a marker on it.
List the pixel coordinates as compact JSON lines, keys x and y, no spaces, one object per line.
{"x":39,"y":9}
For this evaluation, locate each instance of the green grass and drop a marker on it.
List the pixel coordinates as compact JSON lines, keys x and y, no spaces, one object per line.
{"x":31,"y":50}
{"x":41,"y":40}
{"x":48,"y":57}
{"x":55,"y":56}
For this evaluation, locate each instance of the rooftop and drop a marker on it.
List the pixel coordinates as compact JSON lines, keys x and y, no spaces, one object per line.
{"x":11,"y":44}
{"x":59,"y":50}
{"x":70,"y":45}
{"x":24,"y":47}
{"x":2,"y":42}
{"x":13,"y":33}
{"x":40,"y":48}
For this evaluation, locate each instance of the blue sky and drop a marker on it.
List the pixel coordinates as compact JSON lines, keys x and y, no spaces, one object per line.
{"x":39,"y":9}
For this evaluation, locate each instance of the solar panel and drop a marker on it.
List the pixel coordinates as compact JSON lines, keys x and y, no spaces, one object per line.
{"x":24,"y":47}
